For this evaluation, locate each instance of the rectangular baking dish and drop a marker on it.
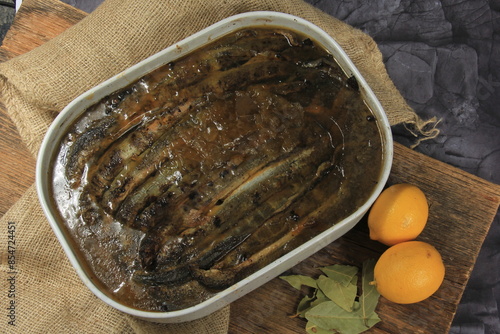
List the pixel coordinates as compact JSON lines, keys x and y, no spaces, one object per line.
{"x":80,"y":104}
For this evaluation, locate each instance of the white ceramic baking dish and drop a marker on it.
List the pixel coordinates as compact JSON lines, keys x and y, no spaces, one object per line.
{"x":79,"y":105}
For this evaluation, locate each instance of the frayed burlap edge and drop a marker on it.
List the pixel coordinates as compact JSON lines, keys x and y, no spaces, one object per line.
{"x":422,"y":129}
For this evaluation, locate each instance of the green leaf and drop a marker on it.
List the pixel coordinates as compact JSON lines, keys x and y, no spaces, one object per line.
{"x":312,"y":328}
{"x":369,"y":297}
{"x":305,"y":305}
{"x":354,"y":281}
{"x":309,"y":302}
{"x":371,"y":320}
{"x":320,"y":297}
{"x":328,"y":315}
{"x":340,"y":273}
{"x":298,"y":280}
{"x":333,"y":307}
{"x":342,"y":295}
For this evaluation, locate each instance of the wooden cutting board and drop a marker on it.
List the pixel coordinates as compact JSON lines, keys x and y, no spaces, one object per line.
{"x":462,"y":208}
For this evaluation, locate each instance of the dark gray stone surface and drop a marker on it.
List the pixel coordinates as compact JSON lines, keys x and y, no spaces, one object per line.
{"x":85,"y":5}
{"x":444,"y":56}
{"x":7,"y":13}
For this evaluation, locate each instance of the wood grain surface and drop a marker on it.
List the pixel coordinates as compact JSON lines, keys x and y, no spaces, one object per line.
{"x":462,"y":208}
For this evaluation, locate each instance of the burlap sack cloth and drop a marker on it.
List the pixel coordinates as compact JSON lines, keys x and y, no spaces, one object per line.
{"x":50,"y":298}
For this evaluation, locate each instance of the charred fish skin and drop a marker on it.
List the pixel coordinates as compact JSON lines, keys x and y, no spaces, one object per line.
{"x":236,"y":51}
{"x":165,"y":181}
{"x":216,"y":164}
{"x":275,"y":237}
{"x":256,"y":71}
{"x":246,"y":46}
{"x":218,"y":185}
{"x":243,"y":76}
{"x":269,"y":192}
{"x":291,"y":217}
{"x":89,"y":143}
{"x":222,"y":275}
{"x":85,"y":145}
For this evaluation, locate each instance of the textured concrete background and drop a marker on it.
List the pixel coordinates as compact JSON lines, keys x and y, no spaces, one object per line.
{"x":444,"y":56}
{"x":7,"y":13}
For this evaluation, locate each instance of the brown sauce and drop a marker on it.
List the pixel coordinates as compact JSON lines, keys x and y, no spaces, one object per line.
{"x":213,"y":166}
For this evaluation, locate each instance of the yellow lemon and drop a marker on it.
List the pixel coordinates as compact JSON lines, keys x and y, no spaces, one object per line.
{"x":409,"y":272}
{"x":399,"y":214}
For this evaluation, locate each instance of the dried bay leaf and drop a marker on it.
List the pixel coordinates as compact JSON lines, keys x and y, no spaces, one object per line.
{"x":305,"y":305}
{"x":320,"y":295}
{"x":342,"y":295}
{"x":328,"y":315}
{"x":309,"y":302}
{"x":334,"y":306}
{"x":312,"y":328}
{"x":371,"y":320}
{"x":298,"y":280}
{"x":340,"y":273}
{"x":369,"y":297}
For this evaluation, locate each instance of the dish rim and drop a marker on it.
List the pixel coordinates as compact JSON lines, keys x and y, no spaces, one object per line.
{"x":75,"y":108}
